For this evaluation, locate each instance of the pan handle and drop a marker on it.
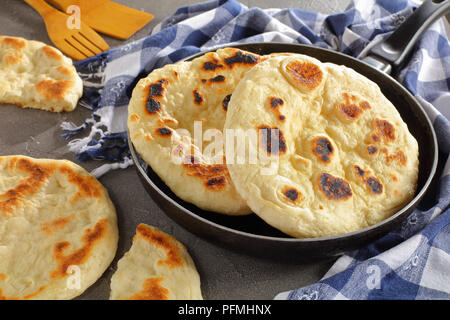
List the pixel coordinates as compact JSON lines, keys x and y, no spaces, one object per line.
{"x":390,"y":54}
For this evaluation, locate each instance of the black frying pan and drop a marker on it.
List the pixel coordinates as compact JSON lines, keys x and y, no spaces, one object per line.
{"x":250,"y":233}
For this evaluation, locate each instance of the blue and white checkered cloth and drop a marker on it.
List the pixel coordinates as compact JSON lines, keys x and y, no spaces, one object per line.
{"x":412,"y":262}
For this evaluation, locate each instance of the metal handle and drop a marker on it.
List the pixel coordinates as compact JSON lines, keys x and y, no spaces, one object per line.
{"x":393,"y":52}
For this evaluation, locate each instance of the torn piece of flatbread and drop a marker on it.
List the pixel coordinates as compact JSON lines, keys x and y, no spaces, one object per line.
{"x":35,"y":75}
{"x":157,"y":267}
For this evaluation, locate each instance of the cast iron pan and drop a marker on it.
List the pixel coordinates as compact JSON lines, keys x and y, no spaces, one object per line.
{"x":252,"y":235}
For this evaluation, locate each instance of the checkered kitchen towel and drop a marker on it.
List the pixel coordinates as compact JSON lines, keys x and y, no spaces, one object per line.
{"x":412,"y":262}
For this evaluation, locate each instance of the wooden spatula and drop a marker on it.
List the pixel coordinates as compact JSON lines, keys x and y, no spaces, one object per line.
{"x":76,"y":43}
{"x":108,"y":17}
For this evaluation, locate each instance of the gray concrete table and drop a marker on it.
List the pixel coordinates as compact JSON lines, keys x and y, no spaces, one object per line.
{"x":225,"y":274}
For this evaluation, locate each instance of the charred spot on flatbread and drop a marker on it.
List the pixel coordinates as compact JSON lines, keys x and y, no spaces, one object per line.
{"x":398,"y":156}
{"x":152,"y":106}
{"x":352,"y":107}
{"x":334,"y":188}
{"x":225,"y":102}
{"x":305,"y":74}
{"x":215,"y":176}
{"x":384,"y":129}
{"x":374,"y":184}
{"x":218,"y":78}
{"x":164,"y":132}
{"x":216,"y":182}
{"x":292,"y":194}
{"x":271,"y":140}
{"x":212,"y":65}
{"x":372,"y":150}
{"x":275,"y":104}
{"x":350,"y":111}
{"x":198,"y":98}
{"x":155,"y":91}
{"x":241,"y":58}
{"x":359,"y":172}
{"x":364,"y":105}
{"x":322,"y":149}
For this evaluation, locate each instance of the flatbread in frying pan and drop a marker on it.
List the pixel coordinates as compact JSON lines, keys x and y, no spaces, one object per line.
{"x":170,"y":115}
{"x":344,"y":159}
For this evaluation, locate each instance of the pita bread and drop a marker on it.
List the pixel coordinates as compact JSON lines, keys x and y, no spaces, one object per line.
{"x":157,"y":267}
{"x":167,"y":109}
{"x":58,"y":229}
{"x":342,"y":158}
{"x":35,"y":75}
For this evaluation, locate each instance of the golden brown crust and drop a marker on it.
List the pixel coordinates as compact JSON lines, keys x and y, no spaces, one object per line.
{"x":58,"y":224}
{"x":79,"y":256}
{"x":162,"y":241}
{"x":38,"y":174}
{"x":157,"y":267}
{"x":352,"y":107}
{"x":16,"y":43}
{"x":214,"y":176}
{"x":385,"y":129}
{"x":13,"y":58}
{"x":305,"y":74}
{"x":88,"y":186}
{"x":54,"y":90}
{"x":398,"y":157}
{"x":64,"y":70}
{"x":51,"y":53}
{"x":151,"y":290}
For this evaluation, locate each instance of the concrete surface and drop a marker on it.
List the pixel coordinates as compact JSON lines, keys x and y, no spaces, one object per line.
{"x":224,"y":274}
